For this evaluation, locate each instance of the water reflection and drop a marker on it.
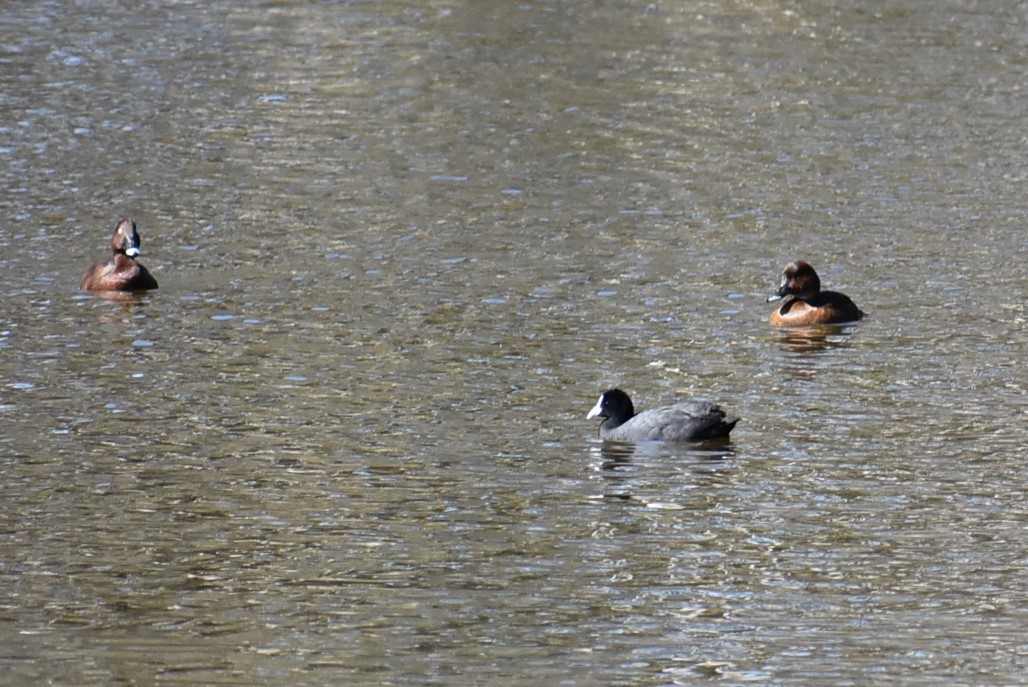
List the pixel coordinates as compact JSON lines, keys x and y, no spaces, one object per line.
{"x":813,"y":338}
{"x":659,"y":475}
{"x":616,"y":455}
{"x":127,"y":299}
{"x":125,"y":306}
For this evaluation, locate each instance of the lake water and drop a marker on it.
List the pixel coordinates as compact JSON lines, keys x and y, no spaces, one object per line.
{"x":402,"y":248}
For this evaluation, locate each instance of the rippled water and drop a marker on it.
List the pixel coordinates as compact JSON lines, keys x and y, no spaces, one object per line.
{"x":401,"y":249}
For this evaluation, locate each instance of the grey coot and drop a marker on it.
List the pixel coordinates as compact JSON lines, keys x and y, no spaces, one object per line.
{"x":685,"y":421}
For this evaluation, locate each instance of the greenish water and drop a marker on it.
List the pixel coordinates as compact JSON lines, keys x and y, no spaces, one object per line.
{"x":402,"y":249}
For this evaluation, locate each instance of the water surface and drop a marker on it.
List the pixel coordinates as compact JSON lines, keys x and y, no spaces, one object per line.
{"x":401,"y":250}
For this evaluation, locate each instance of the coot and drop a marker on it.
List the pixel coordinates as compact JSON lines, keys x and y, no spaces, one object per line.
{"x":685,"y":421}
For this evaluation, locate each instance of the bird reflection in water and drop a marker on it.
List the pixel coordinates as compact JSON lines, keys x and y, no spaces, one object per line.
{"x":812,"y":338}
{"x":128,"y":302}
{"x":615,"y":454}
{"x":622,"y":465}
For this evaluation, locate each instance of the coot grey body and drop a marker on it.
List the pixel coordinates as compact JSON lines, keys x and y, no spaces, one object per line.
{"x":685,"y":421}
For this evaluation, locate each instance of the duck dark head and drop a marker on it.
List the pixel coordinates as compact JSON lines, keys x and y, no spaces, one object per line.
{"x":800,"y":280}
{"x":126,"y":238}
{"x":805,"y":302}
{"x":123,"y":273}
